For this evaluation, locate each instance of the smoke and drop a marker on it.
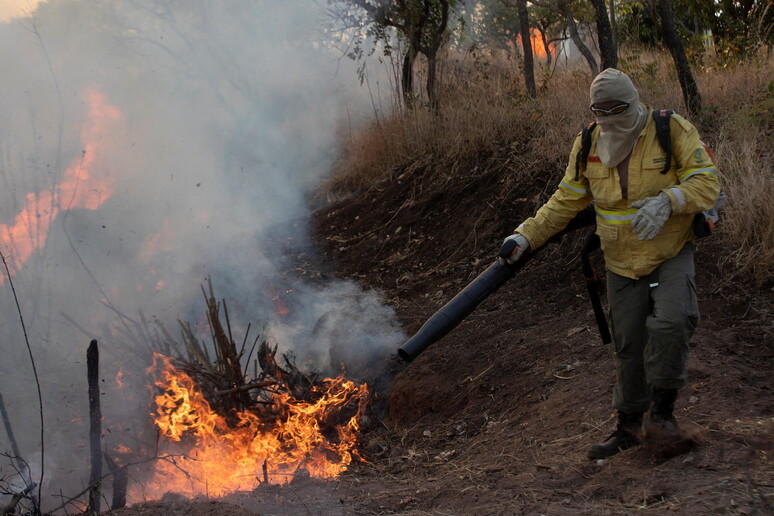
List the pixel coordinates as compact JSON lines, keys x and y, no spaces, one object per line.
{"x":144,"y":147}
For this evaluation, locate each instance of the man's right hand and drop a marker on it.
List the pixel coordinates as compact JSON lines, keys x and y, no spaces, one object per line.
{"x":513,"y":249}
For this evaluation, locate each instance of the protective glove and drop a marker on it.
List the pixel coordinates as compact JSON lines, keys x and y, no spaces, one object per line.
{"x":508,"y":256}
{"x":652,"y":214}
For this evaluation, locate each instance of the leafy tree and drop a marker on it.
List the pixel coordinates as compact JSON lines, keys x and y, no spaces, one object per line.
{"x":546,"y":21}
{"x":733,"y":23}
{"x":691,"y":94}
{"x":421,"y":24}
{"x":526,"y":44}
{"x":660,"y":22}
{"x":491,"y":23}
{"x":737,"y":27}
{"x":570,"y":11}
{"x":637,"y":25}
{"x":607,"y":46}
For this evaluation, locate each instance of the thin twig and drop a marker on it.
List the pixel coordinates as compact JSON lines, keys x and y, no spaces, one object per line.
{"x":245,"y":387}
{"x":169,"y":458}
{"x":10,"y":508}
{"x":37,"y":381}
{"x":24,"y":470}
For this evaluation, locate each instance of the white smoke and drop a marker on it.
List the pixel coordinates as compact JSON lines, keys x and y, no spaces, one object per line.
{"x":226,"y":116}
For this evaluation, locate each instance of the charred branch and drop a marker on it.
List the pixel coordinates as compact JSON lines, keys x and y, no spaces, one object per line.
{"x":10,"y":507}
{"x":120,"y":481}
{"x":95,"y":426}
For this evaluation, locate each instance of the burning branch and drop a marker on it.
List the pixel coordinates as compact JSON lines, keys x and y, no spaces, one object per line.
{"x":274,"y":426}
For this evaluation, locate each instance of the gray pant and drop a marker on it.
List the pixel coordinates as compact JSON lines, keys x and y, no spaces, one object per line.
{"x":652,"y":319}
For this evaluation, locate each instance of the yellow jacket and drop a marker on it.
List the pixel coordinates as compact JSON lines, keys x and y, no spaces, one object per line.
{"x":692,"y":188}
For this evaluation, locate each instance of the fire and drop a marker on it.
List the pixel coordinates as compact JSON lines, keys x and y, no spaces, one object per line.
{"x":536,"y":40}
{"x":280,"y":307}
{"x":79,"y":188}
{"x":214,"y":457}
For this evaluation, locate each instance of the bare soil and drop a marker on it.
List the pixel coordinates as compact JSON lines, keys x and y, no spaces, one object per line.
{"x":496,"y":417}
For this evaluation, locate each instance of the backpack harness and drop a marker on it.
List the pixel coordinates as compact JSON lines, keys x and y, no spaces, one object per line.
{"x":703,"y":223}
{"x":660,"y":116}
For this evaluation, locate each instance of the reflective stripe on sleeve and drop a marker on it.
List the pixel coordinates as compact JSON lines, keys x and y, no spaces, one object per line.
{"x":615,"y":217}
{"x":678,"y":195}
{"x":709,"y":171}
{"x":574,"y":188}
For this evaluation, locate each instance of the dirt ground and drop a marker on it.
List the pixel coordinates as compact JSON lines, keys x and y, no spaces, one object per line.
{"x":496,"y":417}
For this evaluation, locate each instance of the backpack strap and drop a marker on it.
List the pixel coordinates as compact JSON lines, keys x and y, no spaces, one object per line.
{"x":582,"y":157}
{"x":661,"y":117}
{"x":592,"y":285}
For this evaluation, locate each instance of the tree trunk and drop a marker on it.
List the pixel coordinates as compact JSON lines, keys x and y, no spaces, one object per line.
{"x":613,"y":25}
{"x":526,"y":43}
{"x":432,"y":66}
{"x":438,"y":32}
{"x":691,"y":94}
{"x":607,"y":47}
{"x":580,"y":44}
{"x":407,"y":77}
{"x":549,"y":56}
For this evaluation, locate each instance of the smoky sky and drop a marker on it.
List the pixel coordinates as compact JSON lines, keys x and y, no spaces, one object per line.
{"x":191,"y":134}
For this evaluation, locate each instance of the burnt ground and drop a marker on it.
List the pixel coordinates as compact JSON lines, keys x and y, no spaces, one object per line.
{"x":496,"y":417}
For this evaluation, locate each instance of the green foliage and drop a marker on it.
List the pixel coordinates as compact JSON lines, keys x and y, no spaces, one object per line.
{"x":636,"y":25}
{"x":762,"y":111}
{"x":734,"y":28}
{"x":493,"y":23}
{"x":641,"y":71}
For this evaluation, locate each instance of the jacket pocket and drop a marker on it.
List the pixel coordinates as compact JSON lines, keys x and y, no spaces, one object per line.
{"x":652,"y":181}
{"x":597,"y":171}
{"x":602,"y":182}
{"x":607,"y":232}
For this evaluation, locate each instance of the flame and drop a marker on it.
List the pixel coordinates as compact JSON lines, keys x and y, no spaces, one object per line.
{"x":163,"y":240}
{"x":120,"y":379}
{"x":280,"y":307}
{"x":79,"y":188}
{"x":122,"y":449}
{"x":213,"y":457}
{"x":536,"y":40}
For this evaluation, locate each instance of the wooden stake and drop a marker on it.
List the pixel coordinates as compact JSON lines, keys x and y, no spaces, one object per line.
{"x":95,"y":426}
{"x":120,"y":481}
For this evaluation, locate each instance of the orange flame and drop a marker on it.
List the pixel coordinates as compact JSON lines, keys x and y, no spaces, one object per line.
{"x":120,"y":379}
{"x":220,"y":458}
{"x":280,"y":307}
{"x":538,"y":48}
{"x":79,"y":188}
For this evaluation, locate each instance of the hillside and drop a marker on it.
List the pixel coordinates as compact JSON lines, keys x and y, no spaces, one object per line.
{"x":497,"y":416}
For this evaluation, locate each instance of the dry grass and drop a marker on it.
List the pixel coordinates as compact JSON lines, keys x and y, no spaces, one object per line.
{"x":486,"y":119}
{"x":742,"y":137}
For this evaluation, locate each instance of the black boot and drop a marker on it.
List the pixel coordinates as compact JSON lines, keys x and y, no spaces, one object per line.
{"x":662,"y":411}
{"x":625,"y":436}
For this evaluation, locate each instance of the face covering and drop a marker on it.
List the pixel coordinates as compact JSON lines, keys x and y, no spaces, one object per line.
{"x":617,"y":133}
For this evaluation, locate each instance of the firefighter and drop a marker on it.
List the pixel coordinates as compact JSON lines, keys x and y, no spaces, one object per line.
{"x":644,"y":213}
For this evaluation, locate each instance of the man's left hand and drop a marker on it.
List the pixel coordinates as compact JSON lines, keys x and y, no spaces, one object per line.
{"x":653,"y":213}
